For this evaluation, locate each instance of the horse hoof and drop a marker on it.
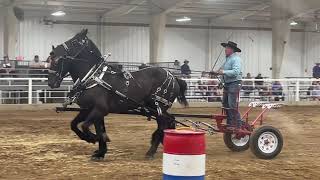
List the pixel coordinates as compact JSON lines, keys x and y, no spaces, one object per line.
{"x":97,"y":155}
{"x":149,"y":157}
{"x":97,"y":158}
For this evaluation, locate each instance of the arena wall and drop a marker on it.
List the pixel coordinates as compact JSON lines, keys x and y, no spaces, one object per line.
{"x":1,"y":33}
{"x":199,"y":45}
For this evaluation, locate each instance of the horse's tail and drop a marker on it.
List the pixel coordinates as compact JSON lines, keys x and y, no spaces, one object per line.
{"x":183,"y":88}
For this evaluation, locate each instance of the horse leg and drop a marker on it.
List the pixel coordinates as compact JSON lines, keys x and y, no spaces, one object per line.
{"x":96,"y":117}
{"x":89,"y":120}
{"x":155,"y":141}
{"x":103,"y":139}
{"x":89,"y":136}
{"x":158,"y":135}
{"x":74,"y":125}
{"x":104,"y":131}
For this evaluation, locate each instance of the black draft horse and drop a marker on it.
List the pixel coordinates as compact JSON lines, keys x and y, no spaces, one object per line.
{"x":77,"y":56}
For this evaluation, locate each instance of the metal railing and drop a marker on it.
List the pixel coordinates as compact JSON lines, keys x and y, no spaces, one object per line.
{"x":32,"y":91}
{"x":289,"y":90}
{"x":36,"y":90}
{"x":23,"y":69}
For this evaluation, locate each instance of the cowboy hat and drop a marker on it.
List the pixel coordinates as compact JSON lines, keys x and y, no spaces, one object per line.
{"x":232,"y":45}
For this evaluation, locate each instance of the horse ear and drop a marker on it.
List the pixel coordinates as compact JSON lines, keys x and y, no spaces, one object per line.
{"x":52,"y":47}
{"x":85,"y":31}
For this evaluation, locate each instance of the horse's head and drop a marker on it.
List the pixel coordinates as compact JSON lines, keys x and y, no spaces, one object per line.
{"x":79,"y":48}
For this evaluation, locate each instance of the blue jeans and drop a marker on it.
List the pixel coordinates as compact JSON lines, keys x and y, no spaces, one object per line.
{"x":230,"y":102}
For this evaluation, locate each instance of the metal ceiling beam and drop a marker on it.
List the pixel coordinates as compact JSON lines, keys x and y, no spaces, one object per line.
{"x":294,"y":8}
{"x":124,"y":9}
{"x":69,"y":8}
{"x":243,"y":14}
{"x":7,"y":3}
{"x":66,"y":4}
{"x":173,"y":6}
{"x":166,"y":6}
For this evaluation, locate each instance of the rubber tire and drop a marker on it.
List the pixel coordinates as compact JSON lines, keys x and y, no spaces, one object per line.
{"x":228,"y":142}
{"x":254,"y":142}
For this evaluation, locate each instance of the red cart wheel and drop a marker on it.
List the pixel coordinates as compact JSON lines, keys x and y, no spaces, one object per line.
{"x":266,"y":142}
{"x":236,"y":144}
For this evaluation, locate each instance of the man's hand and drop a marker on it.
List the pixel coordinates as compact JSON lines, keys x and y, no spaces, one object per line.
{"x":219,"y":72}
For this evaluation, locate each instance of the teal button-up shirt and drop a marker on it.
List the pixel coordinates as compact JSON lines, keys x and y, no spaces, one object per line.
{"x":232,"y":69}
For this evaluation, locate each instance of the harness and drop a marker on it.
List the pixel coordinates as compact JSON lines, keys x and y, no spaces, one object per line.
{"x":162,"y":91}
{"x":95,"y":75}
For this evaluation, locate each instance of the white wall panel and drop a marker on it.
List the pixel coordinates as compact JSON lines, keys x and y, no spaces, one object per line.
{"x":35,"y":38}
{"x":312,"y":51}
{"x":190,"y":44}
{"x":256,"y":52}
{"x":291,"y":66}
{"x":1,"y":33}
{"x":262,"y":62}
{"x":255,"y":45}
{"x":132,"y":44}
{"x":127,"y":44}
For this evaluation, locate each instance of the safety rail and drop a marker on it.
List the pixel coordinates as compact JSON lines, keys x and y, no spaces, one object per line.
{"x":36,"y":90}
{"x":291,"y":90}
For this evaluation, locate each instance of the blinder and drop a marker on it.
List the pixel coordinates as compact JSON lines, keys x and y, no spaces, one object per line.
{"x":83,"y":44}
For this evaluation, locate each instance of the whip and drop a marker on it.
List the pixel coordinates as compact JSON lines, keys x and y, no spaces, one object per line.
{"x":215,"y":63}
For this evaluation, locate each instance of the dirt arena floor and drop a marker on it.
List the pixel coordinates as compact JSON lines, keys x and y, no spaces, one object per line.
{"x":40,"y":145}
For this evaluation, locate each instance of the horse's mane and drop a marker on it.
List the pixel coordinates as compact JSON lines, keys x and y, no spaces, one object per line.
{"x":91,"y":48}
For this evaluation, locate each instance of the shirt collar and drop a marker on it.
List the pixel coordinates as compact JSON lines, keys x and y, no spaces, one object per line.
{"x":231,"y":55}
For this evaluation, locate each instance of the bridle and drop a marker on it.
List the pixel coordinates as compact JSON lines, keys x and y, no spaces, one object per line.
{"x":84,"y":43}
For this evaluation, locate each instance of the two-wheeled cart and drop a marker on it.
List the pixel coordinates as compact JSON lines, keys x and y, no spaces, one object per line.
{"x":265,"y":141}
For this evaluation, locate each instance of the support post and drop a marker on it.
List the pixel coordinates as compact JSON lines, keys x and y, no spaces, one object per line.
{"x":157,"y":30}
{"x":30,"y":91}
{"x":1,"y":97}
{"x":280,"y":37}
{"x":297,"y":96}
{"x":38,"y":96}
{"x":209,"y":49}
{"x":10,"y":32}
{"x":100,"y":38}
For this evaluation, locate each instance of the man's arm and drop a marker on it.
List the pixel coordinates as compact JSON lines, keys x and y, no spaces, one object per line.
{"x":236,"y":68}
{"x":188,"y":70}
{"x":182,"y":69}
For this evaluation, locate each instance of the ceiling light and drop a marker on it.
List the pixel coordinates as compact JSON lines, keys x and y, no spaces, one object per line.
{"x":293,"y":23}
{"x":58,"y":13}
{"x":184,"y":19}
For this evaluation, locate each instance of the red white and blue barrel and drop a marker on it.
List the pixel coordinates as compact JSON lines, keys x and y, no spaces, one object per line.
{"x":184,"y":155}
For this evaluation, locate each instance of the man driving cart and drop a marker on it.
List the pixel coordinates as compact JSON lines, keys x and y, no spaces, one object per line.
{"x":231,"y":79}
